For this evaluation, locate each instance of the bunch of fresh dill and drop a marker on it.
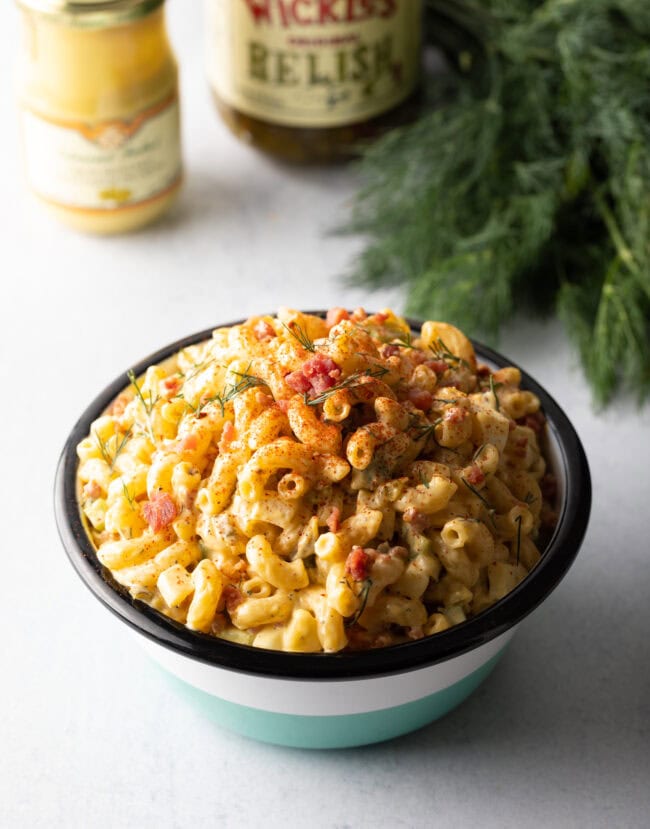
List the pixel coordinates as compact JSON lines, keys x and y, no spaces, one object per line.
{"x":530,"y":184}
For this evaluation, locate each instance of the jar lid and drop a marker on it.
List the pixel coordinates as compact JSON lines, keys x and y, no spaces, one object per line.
{"x":92,"y":14}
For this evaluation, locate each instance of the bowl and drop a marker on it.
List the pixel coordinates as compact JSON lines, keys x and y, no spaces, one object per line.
{"x":342,"y":699}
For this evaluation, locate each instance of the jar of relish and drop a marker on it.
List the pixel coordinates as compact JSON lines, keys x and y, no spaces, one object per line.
{"x":309,"y":80}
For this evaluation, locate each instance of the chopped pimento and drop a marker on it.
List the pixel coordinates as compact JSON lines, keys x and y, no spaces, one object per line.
{"x":232,"y":596}
{"x":420,"y":398}
{"x":335,"y":316}
{"x":358,"y":563}
{"x":188,"y":443}
{"x":227,"y":436}
{"x":475,"y":475}
{"x":318,"y":374}
{"x":159,"y":511}
{"x":264,"y":330}
{"x":334,"y":520}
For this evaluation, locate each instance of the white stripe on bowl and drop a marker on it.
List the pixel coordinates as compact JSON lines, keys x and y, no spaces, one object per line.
{"x":323,"y":697}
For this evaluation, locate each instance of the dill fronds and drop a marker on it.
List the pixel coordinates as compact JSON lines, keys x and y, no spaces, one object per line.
{"x":365,"y":592}
{"x":297,"y":331}
{"x":441,"y":352}
{"x":488,"y":506}
{"x":527,"y":187}
{"x":230,"y":391}
{"x":147,"y":404}
{"x":518,"y":523}
{"x":127,"y":495}
{"x":120,"y":443}
{"x":497,"y":402}
{"x":349,"y":382}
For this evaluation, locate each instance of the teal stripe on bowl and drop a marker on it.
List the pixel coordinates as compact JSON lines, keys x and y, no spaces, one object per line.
{"x":334,"y":731}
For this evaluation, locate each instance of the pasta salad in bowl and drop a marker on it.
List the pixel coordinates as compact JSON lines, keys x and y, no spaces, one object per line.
{"x":325,"y":525}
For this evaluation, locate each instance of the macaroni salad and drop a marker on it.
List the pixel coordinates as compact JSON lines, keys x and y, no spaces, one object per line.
{"x":307,"y":484}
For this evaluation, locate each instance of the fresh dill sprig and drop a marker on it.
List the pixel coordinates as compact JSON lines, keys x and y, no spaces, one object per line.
{"x":478,"y":451}
{"x":403,"y":342}
{"x":127,"y":495}
{"x":109,"y":457}
{"x":147,"y":404}
{"x":423,"y":431}
{"x":229,"y":392}
{"x":442,"y":352}
{"x":518,"y":523}
{"x":197,"y":368}
{"x":525,"y":185}
{"x":298,"y":332}
{"x":352,"y":380}
{"x":365,"y":591}
{"x":488,"y":506}
{"x":395,"y":336}
{"x":497,"y":402}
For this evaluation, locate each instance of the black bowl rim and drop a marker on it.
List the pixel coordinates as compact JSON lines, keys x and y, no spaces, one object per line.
{"x":476,"y":631}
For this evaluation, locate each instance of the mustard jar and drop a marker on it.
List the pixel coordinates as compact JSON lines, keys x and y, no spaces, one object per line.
{"x":99,"y":111}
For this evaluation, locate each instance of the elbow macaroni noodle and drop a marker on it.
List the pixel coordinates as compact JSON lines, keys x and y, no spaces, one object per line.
{"x":308,"y":484}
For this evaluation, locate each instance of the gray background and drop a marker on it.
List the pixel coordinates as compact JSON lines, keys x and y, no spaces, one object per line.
{"x":90,"y":734}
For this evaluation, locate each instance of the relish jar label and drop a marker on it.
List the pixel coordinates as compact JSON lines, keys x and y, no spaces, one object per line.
{"x":314,"y":63}
{"x":110,"y":165}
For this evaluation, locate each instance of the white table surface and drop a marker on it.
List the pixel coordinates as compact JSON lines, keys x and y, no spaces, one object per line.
{"x":90,"y":735}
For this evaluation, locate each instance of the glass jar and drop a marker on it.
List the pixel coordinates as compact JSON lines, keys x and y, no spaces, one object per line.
{"x":309,"y":80}
{"x":99,"y":111}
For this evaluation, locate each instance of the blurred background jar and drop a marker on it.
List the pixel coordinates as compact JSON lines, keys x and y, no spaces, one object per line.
{"x":308,"y":80}
{"x":99,"y":111}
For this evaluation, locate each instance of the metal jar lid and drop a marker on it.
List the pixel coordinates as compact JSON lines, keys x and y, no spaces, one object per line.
{"x":92,"y":14}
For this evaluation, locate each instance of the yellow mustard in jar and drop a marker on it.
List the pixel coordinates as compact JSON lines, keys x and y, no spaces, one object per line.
{"x":99,"y":111}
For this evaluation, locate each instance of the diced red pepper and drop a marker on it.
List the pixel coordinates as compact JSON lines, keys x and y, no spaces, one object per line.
{"x":263,"y":330}
{"x":335,"y":316}
{"x":119,"y":404}
{"x":534,"y":421}
{"x":334,"y":520}
{"x":92,"y":489}
{"x":171,"y":384}
{"x":358,"y":563}
{"x":227,"y":436}
{"x":232,"y":596}
{"x":298,"y":382}
{"x":389,"y":350}
{"x":318,"y":374}
{"x":189,"y":443}
{"x":421,"y":399}
{"x":159,"y":511}
{"x":439,"y":366}
{"x":322,"y":372}
{"x":418,"y":520}
{"x":475,"y":475}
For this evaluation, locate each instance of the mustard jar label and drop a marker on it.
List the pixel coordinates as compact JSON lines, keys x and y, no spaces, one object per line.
{"x":110,"y":165}
{"x":314,"y":63}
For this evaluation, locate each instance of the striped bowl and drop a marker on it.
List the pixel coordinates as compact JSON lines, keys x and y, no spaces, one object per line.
{"x":343,"y":699}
